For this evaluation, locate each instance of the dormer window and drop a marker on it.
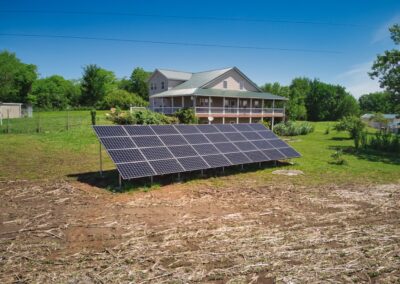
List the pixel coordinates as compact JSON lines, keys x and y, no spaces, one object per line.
{"x":162,"y":85}
{"x":225,"y":84}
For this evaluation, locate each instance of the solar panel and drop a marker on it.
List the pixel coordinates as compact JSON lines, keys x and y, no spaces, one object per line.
{"x":162,"y":167}
{"x":206,"y":149}
{"x":172,"y":140}
{"x":226,"y":147}
{"x":117,"y":142}
{"x":126,"y":155}
{"x":196,"y":138}
{"x":183,"y":151}
{"x":147,"y":141}
{"x":135,"y":170}
{"x":156,"y":153}
{"x":216,"y":137}
{"x":217,"y":160}
{"x":139,"y":130}
{"x":147,"y":150}
{"x":187,"y":129}
{"x":110,"y":131}
{"x":193,"y":163}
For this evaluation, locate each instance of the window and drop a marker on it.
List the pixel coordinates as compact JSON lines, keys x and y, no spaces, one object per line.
{"x":256,"y":103}
{"x":162,"y":85}
{"x":151,"y":86}
{"x":203,"y":102}
{"x":241,"y":85}
{"x":225,"y":84}
{"x":155,"y":86}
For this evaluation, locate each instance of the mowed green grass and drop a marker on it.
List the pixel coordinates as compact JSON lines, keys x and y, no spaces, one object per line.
{"x":67,"y":155}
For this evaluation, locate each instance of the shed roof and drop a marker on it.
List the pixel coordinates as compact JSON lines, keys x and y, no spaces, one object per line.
{"x":386,"y":115}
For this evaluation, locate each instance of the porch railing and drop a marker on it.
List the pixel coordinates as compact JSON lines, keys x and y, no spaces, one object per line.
{"x":222,"y":110}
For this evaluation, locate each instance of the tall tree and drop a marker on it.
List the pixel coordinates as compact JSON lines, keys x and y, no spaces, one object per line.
{"x":16,"y":78}
{"x":96,"y":83}
{"x":299,"y":89}
{"x":54,"y":92}
{"x":376,"y":102}
{"x":139,"y":82}
{"x":386,"y":68}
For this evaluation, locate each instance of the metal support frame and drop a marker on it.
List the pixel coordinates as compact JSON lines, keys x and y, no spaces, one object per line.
{"x":119,"y":181}
{"x":241,"y":167}
{"x":101,"y":159}
{"x":273,"y":115}
{"x":223,"y":170}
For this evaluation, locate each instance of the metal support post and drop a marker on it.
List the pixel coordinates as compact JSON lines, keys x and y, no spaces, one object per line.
{"x":202,"y":172}
{"x":151,"y":181}
{"x":223,"y":170}
{"x":119,"y":181}
{"x":241,"y":167}
{"x":179,"y":176}
{"x":259,"y":164}
{"x":101,"y":160}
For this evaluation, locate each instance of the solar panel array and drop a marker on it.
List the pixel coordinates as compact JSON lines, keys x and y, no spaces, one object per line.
{"x":148,"y":150}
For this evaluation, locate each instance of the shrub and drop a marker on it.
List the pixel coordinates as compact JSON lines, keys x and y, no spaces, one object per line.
{"x":291,"y":128}
{"x":186,"y":116}
{"x":140,"y":117}
{"x":327,"y":130}
{"x":122,"y":99}
{"x":337,"y":158}
{"x":354,"y":125}
{"x":386,"y":142}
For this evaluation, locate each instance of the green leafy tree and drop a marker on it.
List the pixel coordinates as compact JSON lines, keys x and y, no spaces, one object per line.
{"x":96,"y":83}
{"x":139,"y":82}
{"x":54,"y":92}
{"x":186,"y":116}
{"x":122,"y":99}
{"x":16,"y":78}
{"x":386,"y":68}
{"x":376,"y":102}
{"x":299,"y":89}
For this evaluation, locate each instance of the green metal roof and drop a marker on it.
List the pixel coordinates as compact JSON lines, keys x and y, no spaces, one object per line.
{"x":218,"y":93}
{"x":201,"y":78}
{"x":175,"y":75}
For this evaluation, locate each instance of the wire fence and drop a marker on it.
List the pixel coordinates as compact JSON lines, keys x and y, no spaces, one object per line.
{"x":48,"y":122}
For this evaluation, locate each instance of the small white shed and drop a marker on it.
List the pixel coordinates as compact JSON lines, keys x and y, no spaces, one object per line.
{"x":10,"y":110}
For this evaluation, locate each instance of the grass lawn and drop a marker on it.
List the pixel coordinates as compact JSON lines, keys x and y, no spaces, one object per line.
{"x":55,"y":154}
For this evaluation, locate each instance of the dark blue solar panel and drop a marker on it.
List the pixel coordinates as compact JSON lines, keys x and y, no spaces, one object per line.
{"x":126,"y":155}
{"x":237,"y":158}
{"x":187,"y":129}
{"x":242,"y":127}
{"x":196,"y":138}
{"x":227,"y":147}
{"x":225,"y":128}
{"x":267,"y":134}
{"x":245,"y":146}
{"x":256,"y":156}
{"x":138,"y":130}
{"x":164,"y":129}
{"x":135,"y":170}
{"x":147,"y":141}
{"x":182,"y":151}
{"x":117,"y":143}
{"x":169,"y":166}
{"x":235,"y":137}
{"x":109,"y":131}
{"x":172,"y":140}
{"x":251,"y":135}
{"x":262,"y":144}
{"x":277,"y":143}
{"x":289,"y":152}
{"x":217,"y":160}
{"x":257,"y":126}
{"x":206,"y":149}
{"x":193,"y":163}
{"x":273,"y":154}
{"x":216,"y":137}
{"x":156,"y":153}
{"x":207,"y":128}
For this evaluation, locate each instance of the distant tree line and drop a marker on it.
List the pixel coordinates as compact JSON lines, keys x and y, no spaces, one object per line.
{"x":98,"y":88}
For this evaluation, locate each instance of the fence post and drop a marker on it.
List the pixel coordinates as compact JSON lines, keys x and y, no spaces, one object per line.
{"x":67,"y":120}
{"x":8,"y":121}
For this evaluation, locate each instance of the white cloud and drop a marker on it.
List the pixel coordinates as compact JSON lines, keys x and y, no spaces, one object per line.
{"x":382,"y":32}
{"x":357,"y":81}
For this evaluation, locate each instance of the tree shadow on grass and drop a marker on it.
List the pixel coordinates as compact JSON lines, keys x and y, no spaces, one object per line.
{"x":370,"y":155}
{"x":341,"y":138}
{"x":109,"y":179}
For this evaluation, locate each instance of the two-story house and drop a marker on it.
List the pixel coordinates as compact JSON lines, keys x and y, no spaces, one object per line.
{"x":216,"y":96}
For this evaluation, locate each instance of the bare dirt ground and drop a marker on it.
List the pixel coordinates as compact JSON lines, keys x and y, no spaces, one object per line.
{"x":72,"y":233}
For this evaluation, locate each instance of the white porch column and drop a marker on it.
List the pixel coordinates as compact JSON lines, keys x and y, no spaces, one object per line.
{"x":262,"y":109}
{"x":237,"y":118}
{"x":172,"y":104}
{"x":223,"y":120}
{"x":273,"y":114}
{"x":162,"y":105}
{"x":251,"y":110}
{"x":183,"y":102}
{"x":209,"y":105}
{"x":223,"y":106}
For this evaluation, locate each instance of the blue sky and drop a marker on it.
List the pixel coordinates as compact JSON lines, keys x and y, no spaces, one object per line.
{"x":357,"y":30}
